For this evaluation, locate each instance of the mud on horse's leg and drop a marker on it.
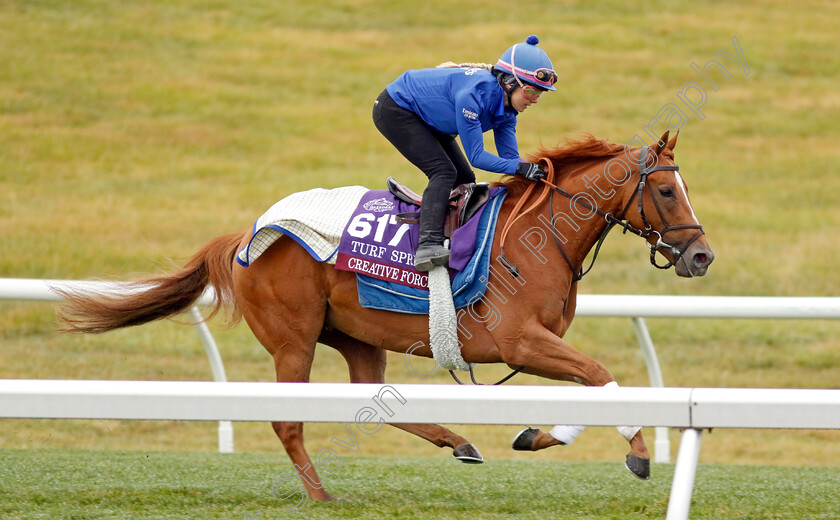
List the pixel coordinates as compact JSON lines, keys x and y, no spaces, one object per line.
{"x":367,"y":365}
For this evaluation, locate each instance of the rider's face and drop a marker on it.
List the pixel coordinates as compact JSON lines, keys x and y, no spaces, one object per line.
{"x":520,"y":101}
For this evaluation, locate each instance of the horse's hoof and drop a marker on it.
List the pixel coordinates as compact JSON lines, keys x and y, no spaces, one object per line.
{"x":326,"y":498}
{"x":638,"y":466}
{"x":524,"y":440}
{"x":468,"y":454}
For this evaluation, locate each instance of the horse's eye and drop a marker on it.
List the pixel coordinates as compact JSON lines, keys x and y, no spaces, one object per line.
{"x":667,"y":192}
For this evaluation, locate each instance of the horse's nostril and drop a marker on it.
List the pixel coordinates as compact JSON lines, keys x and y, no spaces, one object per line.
{"x":701,"y":259}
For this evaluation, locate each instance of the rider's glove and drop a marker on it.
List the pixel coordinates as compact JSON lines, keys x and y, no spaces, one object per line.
{"x":531,"y":171}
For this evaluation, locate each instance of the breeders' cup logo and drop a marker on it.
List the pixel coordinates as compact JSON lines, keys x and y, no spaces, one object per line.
{"x":378,"y":205}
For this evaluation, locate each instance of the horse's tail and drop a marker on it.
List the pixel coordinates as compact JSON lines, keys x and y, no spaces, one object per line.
{"x":158,"y":296}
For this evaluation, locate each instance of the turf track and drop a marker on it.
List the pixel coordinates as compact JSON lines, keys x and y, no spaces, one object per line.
{"x":76,"y":484}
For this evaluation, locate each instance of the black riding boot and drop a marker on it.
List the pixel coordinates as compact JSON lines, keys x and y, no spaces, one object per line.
{"x":430,"y":248}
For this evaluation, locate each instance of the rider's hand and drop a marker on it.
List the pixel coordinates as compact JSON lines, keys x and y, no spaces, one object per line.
{"x":531,"y":171}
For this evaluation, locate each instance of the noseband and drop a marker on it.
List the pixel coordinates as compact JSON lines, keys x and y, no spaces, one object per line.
{"x":623,"y":222}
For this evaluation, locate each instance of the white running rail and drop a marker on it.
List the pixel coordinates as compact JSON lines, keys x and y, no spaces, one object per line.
{"x":636,"y":307}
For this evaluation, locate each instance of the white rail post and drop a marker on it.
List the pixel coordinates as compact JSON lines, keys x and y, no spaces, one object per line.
{"x":218,"y":368}
{"x":662,"y":445}
{"x":682,"y":486}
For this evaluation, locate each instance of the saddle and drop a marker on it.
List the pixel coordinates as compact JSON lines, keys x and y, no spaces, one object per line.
{"x":464,"y":201}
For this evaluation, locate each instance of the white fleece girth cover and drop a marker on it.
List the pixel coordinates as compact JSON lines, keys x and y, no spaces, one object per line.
{"x":315,"y":219}
{"x":443,"y":324}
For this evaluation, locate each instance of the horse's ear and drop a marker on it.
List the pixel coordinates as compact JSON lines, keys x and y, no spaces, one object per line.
{"x":657,"y":148}
{"x":673,"y":142}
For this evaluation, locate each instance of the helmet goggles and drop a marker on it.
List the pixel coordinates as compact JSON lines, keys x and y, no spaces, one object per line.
{"x":540,"y":78}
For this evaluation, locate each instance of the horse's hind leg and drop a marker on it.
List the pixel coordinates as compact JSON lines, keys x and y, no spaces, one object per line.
{"x":292,"y":363}
{"x":286,"y":315}
{"x":367,"y":365}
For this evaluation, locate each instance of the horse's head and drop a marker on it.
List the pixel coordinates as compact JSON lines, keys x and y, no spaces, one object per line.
{"x":659,"y":206}
{"x":640,"y":190}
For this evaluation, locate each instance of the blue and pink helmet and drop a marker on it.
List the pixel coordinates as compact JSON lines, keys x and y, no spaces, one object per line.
{"x":529,"y":64}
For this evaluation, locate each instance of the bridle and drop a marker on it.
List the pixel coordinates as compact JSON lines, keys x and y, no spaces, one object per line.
{"x":621,"y":220}
{"x":648,"y":231}
{"x":612,"y":221}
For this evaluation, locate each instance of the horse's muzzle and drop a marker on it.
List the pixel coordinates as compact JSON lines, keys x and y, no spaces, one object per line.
{"x":695,"y":260}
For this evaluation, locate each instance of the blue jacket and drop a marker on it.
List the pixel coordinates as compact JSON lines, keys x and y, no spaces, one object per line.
{"x":463,"y":102}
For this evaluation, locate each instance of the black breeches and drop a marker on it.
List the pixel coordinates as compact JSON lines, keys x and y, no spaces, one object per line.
{"x":437,"y":155}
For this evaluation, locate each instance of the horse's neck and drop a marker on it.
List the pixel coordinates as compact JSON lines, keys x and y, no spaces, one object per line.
{"x":576,"y":227}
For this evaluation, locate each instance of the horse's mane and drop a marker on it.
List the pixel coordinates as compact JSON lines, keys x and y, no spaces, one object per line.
{"x":566,"y":156}
{"x":585,"y":148}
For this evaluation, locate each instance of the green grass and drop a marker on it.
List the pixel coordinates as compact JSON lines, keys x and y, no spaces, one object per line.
{"x":75,"y":484}
{"x":156,"y":125}
{"x":133,"y":132}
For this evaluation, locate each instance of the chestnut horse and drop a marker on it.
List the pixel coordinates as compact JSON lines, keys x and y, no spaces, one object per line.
{"x":291,"y":301}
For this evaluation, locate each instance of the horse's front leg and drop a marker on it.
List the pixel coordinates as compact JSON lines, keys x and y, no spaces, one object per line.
{"x":543,"y":353}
